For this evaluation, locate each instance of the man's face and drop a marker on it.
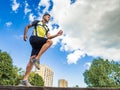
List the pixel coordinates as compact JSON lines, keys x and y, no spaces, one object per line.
{"x":46,"y":18}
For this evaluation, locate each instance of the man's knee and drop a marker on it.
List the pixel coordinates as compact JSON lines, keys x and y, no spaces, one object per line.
{"x":50,"y":41}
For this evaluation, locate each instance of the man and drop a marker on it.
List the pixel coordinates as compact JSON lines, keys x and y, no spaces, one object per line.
{"x":40,"y":41}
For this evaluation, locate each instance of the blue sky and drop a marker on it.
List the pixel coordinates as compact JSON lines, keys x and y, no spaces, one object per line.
{"x":91,"y":30}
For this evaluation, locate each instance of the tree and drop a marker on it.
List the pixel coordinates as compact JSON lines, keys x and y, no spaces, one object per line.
{"x":36,"y":80}
{"x":103,"y":73}
{"x":77,"y":86}
{"x":8,"y":72}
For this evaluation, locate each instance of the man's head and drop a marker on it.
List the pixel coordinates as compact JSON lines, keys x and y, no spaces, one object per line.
{"x":46,"y":17}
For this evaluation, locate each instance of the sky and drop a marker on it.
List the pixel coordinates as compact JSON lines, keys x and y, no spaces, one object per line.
{"x":91,"y":29}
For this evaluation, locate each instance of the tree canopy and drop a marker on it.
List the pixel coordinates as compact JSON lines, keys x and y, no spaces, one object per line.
{"x":36,"y":80}
{"x":103,"y":73}
{"x":11,"y":75}
{"x":8,"y":72}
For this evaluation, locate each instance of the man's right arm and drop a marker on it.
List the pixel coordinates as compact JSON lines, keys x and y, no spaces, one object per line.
{"x":26,"y":30}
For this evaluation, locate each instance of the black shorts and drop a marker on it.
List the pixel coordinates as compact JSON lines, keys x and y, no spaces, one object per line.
{"x":36,"y":43}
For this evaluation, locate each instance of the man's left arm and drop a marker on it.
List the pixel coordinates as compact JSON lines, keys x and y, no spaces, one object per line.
{"x":53,"y":36}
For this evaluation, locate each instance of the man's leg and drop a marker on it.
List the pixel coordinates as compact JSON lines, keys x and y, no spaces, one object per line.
{"x":28,"y":68}
{"x":25,"y":81}
{"x":44,"y":48}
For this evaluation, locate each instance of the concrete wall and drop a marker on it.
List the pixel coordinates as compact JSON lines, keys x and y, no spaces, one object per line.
{"x":50,"y":88}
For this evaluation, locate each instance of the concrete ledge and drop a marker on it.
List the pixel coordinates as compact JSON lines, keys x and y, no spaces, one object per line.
{"x":28,"y":88}
{"x":50,"y":88}
{"x":56,"y":88}
{"x":6,"y":88}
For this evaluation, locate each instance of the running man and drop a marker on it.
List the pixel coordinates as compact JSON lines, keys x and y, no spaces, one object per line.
{"x":40,"y":41}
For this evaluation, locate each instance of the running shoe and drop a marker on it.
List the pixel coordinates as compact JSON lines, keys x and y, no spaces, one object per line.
{"x":25,"y":83}
{"x":36,"y":63}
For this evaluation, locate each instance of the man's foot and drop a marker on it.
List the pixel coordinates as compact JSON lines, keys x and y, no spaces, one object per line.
{"x":25,"y":83}
{"x":36,"y":63}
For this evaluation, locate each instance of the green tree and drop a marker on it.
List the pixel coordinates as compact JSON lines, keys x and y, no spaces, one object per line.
{"x":103,"y":73}
{"x":35,"y":79}
{"x":77,"y":86}
{"x":8,"y":72}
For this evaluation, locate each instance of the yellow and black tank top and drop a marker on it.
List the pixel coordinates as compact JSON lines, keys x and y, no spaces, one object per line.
{"x":40,"y":30}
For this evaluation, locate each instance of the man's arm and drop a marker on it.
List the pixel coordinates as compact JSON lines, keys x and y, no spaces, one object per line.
{"x":53,"y":36}
{"x":25,"y":31}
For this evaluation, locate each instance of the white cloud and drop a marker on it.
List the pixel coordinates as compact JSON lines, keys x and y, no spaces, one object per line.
{"x":87,"y":65}
{"x":70,"y":43}
{"x":26,"y":10}
{"x":18,"y":37}
{"x":31,"y":17}
{"x":15,"y":5}
{"x":8,"y":24}
{"x":44,"y":3}
{"x":91,"y":26}
{"x":75,"y":56}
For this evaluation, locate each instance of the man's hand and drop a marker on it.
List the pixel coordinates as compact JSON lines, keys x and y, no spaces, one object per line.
{"x":60,"y":33}
{"x":25,"y":37}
